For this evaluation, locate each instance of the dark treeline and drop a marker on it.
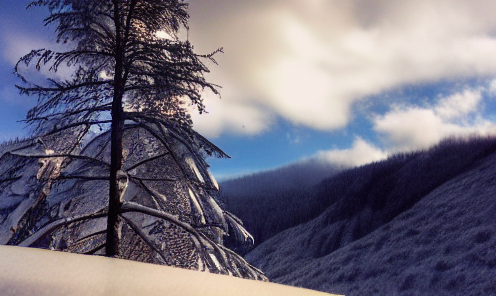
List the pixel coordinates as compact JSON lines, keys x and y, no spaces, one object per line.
{"x":305,"y":173}
{"x":372,"y":194}
{"x":278,"y":198}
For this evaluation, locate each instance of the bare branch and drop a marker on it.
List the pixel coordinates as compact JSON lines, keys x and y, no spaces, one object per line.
{"x":60,"y":88}
{"x":155,"y":179}
{"x":60,"y":155}
{"x":98,"y":248}
{"x":91,"y":235}
{"x":10,"y":179}
{"x":57,"y":130}
{"x":143,"y":237}
{"x":152,"y":194}
{"x":56,"y":224}
{"x":147,"y":160}
{"x":134,"y":207}
{"x":89,"y":178}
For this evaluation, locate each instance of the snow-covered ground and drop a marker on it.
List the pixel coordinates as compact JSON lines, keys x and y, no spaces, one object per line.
{"x":444,"y":245}
{"x":28,"y":271}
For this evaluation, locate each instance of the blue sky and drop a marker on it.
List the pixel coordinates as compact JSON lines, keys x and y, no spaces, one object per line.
{"x":344,"y":81}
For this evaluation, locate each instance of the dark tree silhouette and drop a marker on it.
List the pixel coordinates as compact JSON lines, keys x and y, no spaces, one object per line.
{"x":126,"y":79}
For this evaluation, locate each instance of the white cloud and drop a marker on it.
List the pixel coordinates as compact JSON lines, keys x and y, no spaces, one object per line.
{"x":362,"y":152}
{"x":232,"y":117}
{"x":17,"y":45}
{"x":412,"y":128}
{"x":492,"y":87}
{"x":310,"y":61}
{"x":459,"y":104}
{"x":407,"y":128}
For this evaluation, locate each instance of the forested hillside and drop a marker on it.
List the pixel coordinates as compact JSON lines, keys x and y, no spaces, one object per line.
{"x":416,"y":224}
{"x":375,"y":193}
{"x":271,"y":201}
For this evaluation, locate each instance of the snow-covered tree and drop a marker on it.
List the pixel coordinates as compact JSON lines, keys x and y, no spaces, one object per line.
{"x":131,"y":75}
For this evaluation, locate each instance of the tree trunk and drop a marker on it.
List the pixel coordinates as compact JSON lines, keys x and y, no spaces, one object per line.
{"x":112,"y":247}
{"x":115,"y":203}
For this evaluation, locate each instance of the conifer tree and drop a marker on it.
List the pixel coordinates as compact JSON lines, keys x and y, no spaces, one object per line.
{"x":123,"y":70}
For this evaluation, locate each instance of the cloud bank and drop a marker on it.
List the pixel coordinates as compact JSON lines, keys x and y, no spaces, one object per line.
{"x":360,"y":153}
{"x":310,"y":61}
{"x":408,"y":127}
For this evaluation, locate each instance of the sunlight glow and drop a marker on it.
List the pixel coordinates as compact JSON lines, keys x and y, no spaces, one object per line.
{"x":103,"y":75}
{"x":163,"y":35}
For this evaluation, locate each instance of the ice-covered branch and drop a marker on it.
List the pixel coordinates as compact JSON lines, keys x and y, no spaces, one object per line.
{"x":219,"y":251}
{"x":147,"y":160}
{"x":143,"y":237}
{"x":56,"y":224}
{"x":75,"y":156}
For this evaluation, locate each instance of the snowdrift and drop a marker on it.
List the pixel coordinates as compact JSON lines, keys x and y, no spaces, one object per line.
{"x":28,"y":271}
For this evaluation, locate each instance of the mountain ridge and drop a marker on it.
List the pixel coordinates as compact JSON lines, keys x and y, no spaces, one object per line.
{"x":386,"y":188}
{"x":347,"y":249}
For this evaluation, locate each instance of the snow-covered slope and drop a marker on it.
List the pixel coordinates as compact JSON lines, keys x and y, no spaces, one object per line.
{"x":445,"y":244}
{"x":27,"y":271}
